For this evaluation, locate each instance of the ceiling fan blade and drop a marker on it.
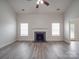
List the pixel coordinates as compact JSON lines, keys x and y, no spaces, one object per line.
{"x":46,"y":3}
{"x":37,"y":6}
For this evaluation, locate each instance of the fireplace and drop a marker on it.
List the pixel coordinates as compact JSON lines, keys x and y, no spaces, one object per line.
{"x":40,"y":36}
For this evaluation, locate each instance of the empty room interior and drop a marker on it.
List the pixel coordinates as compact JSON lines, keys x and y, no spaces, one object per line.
{"x":39,"y":29}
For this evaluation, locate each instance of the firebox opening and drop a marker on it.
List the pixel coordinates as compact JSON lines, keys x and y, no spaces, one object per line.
{"x":40,"y":36}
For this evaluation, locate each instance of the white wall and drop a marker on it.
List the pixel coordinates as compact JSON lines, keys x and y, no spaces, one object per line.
{"x":72,"y":16}
{"x":7,"y":24}
{"x":40,"y":22}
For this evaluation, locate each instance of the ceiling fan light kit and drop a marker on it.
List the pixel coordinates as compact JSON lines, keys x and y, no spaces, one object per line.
{"x":41,"y":2}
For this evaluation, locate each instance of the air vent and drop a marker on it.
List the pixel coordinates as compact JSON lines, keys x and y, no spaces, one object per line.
{"x":28,"y":0}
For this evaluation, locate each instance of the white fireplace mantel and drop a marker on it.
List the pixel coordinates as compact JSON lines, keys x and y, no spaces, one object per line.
{"x":40,"y":29}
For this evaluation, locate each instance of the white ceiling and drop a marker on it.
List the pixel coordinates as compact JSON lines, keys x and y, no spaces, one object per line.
{"x":30,"y":6}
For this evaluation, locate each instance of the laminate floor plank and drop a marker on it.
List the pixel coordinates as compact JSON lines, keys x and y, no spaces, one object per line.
{"x":48,"y":50}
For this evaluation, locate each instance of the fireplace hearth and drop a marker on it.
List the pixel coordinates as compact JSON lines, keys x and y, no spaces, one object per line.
{"x":40,"y":36}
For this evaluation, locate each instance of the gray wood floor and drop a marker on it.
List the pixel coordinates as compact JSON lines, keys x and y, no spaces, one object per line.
{"x":50,"y":50}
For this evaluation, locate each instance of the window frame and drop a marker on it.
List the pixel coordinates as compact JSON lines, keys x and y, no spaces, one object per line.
{"x":72,"y":31}
{"x":22,"y":33}
{"x":59,"y":26}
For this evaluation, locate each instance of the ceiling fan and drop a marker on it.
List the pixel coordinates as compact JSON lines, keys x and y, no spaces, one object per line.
{"x":42,"y":2}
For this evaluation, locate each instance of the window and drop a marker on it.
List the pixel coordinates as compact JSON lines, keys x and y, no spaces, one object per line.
{"x":55,"y":29}
{"x":24,"y":29}
{"x":72,"y":27}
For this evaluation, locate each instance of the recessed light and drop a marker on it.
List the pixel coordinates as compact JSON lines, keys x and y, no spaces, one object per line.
{"x":57,"y":9}
{"x":22,"y":9}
